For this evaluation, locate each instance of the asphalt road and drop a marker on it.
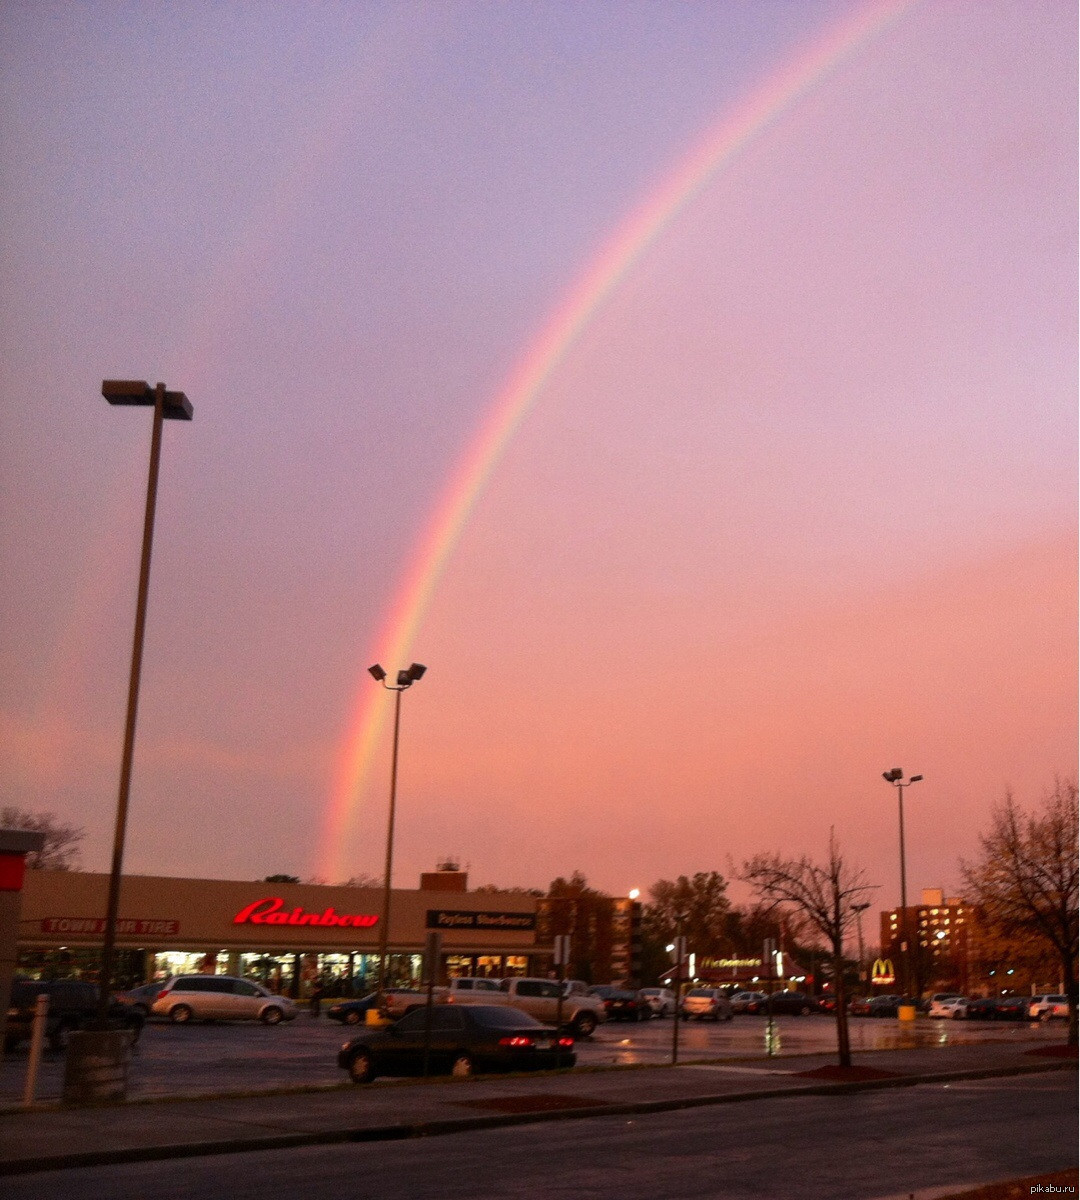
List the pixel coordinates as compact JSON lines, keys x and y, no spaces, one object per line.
{"x":842,"y":1147}
{"x":205,"y":1059}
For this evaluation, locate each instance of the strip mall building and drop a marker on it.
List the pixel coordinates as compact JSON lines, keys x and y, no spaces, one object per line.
{"x":283,"y":934}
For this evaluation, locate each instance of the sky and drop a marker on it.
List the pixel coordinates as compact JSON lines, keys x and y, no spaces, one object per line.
{"x":790,"y":501}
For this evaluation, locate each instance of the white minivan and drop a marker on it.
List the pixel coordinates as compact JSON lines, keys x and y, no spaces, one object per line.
{"x":220,"y":998}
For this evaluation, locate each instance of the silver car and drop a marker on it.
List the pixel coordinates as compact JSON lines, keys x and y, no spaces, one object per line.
{"x":220,"y":998}
{"x":707,"y":1004}
{"x":660,"y":1000}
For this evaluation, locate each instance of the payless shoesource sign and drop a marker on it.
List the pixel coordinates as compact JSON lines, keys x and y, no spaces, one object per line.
{"x":441,"y":918}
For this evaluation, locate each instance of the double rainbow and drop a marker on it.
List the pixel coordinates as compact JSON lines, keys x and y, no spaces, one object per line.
{"x":630,"y":240}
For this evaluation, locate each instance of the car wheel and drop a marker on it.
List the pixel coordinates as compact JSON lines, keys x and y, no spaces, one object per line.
{"x":584,"y":1024}
{"x":462,"y":1067}
{"x":957,"y":1015}
{"x":352,"y":1017}
{"x":180,"y":1014}
{"x":271,"y":1015}
{"x":361,"y":1067}
{"x":804,"y":1011}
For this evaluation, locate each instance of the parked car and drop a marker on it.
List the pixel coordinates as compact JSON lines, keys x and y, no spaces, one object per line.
{"x":797,"y":1003}
{"x":399,"y":1002}
{"x":661,"y":1001}
{"x":464,"y":1039}
{"x":221,"y":998}
{"x":706,"y":1004}
{"x":581,"y":1011}
{"x":748,"y":1002}
{"x":621,"y":1004}
{"x":885,"y":1006}
{"x":353,"y":1012}
{"x":73,"y":1005}
{"x":1045,"y":1008}
{"x":859,"y":1006}
{"x":826,"y":1003}
{"x":981,"y":1008}
{"x":953,"y":1007}
{"x":142,"y":997}
{"x":1011,"y":1008}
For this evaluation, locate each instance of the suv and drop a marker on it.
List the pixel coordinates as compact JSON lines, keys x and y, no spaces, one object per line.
{"x":73,"y":1005}
{"x":1043,"y":1008}
{"x":220,"y":998}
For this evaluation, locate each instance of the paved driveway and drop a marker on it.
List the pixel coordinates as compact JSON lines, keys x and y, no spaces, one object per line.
{"x":205,"y":1059}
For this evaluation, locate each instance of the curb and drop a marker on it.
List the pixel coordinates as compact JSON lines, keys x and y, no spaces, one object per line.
{"x":404,"y":1130}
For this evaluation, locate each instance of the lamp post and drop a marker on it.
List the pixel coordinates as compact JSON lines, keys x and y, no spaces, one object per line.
{"x":405,"y":680}
{"x":167,"y":406}
{"x":896,"y":778}
{"x":858,"y":910}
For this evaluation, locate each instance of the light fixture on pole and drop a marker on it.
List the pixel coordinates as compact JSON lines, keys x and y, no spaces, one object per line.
{"x":173,"y":406}
{"x":405,"y":680}
{"x":896,"y":778}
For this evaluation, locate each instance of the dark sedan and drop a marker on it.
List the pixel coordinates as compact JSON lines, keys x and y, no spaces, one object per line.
{"x":463,"y":1039}
{"x":796,"y":1003}
{"x":353,"y":1012}
{"x":1011,"y":1008}
{"x":885,"y":1006}
{"x":621,"y":1004}
{"x":73,"y":1005}
{"x":982,"y":1008}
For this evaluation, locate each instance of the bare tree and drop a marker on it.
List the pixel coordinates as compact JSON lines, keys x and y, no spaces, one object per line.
{"x":61,"y":849}
{"x":1026,"y":879}
{"x":701,"y":901}
{"x":825,"y":897}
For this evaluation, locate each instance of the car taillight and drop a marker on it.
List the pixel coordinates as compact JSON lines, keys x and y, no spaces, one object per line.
{"x":161,"y":995}
{"x":565,"y":1041}
{"x":515,"y":1041}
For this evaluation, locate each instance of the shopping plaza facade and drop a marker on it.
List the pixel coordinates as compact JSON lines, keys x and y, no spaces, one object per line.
{"x":283,"y":934}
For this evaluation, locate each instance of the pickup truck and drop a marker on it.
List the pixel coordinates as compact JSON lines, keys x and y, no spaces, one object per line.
{"x":581,"y":1013}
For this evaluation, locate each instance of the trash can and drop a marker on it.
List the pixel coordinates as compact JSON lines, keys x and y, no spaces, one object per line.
{"x":96,"y":1068}
{"x":906,"y":1012}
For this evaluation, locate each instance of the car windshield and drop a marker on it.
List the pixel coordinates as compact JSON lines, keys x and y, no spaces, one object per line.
{"x":493,"y":1016}
{"x":700,"y":992}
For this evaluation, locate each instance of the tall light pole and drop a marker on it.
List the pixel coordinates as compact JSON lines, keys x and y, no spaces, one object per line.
{"x":167,"y":406}
{"x":896,"y":778}
{"x":858,"y":910}
{"x":405,"y":680}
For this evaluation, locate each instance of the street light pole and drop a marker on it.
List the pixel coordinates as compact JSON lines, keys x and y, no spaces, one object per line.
{"x":172,"y":405}
{"x":896,"y":778}
{"x":405,"y":680}
{"x":858,"y":910}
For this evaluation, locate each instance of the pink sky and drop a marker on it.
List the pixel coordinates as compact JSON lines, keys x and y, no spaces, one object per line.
{"x":798,"y":507}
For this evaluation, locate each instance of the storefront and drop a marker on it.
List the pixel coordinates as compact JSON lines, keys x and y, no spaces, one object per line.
{"x":281,"y":934}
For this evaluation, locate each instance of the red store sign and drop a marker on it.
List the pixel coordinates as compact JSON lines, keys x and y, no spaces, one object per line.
{"x":272,"y":911}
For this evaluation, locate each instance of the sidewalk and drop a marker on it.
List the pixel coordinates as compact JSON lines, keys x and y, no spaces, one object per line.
{"x":52,"y":1137}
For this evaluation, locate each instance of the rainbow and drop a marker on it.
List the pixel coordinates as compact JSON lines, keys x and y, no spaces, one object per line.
{"x":616,"y":257}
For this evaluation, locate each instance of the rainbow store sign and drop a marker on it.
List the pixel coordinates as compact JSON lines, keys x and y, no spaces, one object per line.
{"x":272,"y":911}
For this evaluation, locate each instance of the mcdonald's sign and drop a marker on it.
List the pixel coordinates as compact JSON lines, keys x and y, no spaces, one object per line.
{"x":882,"y":972}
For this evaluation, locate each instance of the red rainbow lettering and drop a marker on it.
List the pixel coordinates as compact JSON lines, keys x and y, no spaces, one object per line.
{"x":271,"y":911}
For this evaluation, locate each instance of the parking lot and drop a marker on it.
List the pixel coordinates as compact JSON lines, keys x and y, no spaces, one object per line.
{"x":206,"y":1059}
